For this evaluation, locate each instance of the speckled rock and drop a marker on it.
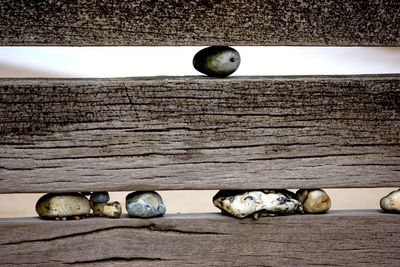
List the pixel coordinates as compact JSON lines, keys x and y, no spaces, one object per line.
{"x":145,"y":204}
{"x":100,"y":197}
{"x":63,"y":205}
{"x":391,"y":202}
{"x":241,"y":204}
{"x":111,"y":209}
{"x":217,"y":61}
{"x":314,"y":200}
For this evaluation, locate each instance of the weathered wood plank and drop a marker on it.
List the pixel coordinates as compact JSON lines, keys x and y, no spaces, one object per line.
{"x":345,"y":238}
{"x":199,"y":133}
{"x":200,"y":22}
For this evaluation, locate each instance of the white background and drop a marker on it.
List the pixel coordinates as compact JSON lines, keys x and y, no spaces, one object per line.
{"x":153,"y":61}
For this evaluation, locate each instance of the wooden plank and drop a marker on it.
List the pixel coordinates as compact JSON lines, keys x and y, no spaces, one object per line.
{"x":345,"y":238}
{"x":199,"y":133}
{"x":200,"y":22}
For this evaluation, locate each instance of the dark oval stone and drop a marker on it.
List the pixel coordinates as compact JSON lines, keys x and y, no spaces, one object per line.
{"x":217,"y":61}
{"x":100,"y":197}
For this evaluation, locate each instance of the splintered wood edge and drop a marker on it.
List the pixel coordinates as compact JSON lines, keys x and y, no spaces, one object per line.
{"x":351,"y":237}
{"x":175,"y":133}
{"x":281,"y":22}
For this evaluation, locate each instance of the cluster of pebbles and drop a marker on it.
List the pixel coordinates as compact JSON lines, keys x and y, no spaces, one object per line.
{"x":236,"y":203}
{"x":257,"y":203}
{"x":63,"y":206}
{"x":149,"y":204}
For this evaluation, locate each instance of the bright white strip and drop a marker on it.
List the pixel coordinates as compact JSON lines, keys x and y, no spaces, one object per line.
{"x":154,"y":61}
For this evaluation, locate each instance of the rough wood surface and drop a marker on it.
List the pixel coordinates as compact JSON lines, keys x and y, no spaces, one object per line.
{"x":200,"y":22}
{"x":345,"y":238}
{"x":199,"y":133}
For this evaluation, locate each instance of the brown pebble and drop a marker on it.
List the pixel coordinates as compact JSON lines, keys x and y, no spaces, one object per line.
{"x":391,"y":202}
{"x":314,"y":200}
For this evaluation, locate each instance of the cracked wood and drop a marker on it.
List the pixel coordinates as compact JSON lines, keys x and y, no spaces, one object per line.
{"x":199,"y":133}
{"x":346,"y":238}
{"x":200,"y":22}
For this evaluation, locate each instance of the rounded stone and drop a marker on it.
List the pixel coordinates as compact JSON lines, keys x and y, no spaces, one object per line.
{"x":391,"y":202}
{"x":100,"y":197}
{"x":314,"y":200}
{"x":61,"y":205}
{"x":241,"y":204}
{"x":111,"y":209}
{"x":145,"y":204}
{"x":217,"y":61}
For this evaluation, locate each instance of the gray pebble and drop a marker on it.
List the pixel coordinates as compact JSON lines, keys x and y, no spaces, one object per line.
{"x":217,"y":61}
{"x":100,"y":197}
{"x":145,"y":204}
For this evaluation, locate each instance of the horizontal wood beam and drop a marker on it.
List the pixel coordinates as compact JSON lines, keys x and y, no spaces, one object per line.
{"x":199,"y":133}
{"x":345,"y":238}
{"x":237,"y":22}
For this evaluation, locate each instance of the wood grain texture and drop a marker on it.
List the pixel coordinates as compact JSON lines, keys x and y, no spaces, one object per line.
{"x":340,"y":238}
{"x":199,"y":133}
{"x":200,"y":22}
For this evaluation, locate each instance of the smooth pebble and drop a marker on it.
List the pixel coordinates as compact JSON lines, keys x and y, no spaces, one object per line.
{"x":111,"y":209}
{"x":241,"y":204}
{"x":145,"y":204}
{"x":100,"y":197}
{"x":62,"y":205}
{"x":314,"y":200}
{"x":391,"y":202}
{"x":217,"y":61}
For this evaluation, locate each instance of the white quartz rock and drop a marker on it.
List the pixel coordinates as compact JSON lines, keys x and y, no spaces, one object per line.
{"x":261,"y":202}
